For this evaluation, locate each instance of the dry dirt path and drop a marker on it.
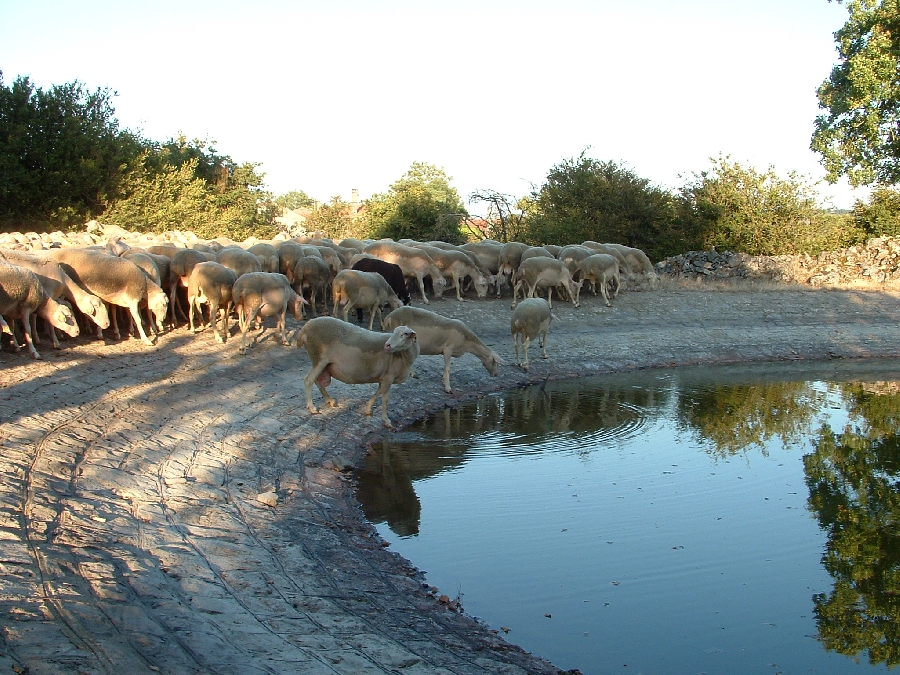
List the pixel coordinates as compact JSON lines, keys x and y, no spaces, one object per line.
{"x":132,"y":540}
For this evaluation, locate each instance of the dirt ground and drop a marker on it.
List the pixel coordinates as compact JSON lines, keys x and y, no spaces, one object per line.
{"x":132,"y":538}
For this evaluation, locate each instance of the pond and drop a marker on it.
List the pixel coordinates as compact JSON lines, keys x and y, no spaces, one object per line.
{"x":720,"y":520}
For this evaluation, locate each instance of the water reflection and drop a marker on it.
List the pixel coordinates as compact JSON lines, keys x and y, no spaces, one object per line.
{"x":854,"y":491}
{"x":852,"y":472}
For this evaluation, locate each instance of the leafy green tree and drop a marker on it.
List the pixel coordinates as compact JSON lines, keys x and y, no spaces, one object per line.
{"x":295,"y":199}
{"x":583,"y":198}
{"x":858,"y":135}
{"x":854,"y":485}
{"x":62,"y":153}
{"x":422,"y":205}
{"x":881,"y":215}
{"x":741,"y":209}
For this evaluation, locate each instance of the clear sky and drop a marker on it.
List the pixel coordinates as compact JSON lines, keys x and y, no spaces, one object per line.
{"x":330,"y":95}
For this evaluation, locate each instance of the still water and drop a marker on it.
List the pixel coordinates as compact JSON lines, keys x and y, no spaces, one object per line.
{"x":705,"y":520}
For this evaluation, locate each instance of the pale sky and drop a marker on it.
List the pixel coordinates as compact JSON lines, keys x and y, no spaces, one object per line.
{"x":331,"y":95}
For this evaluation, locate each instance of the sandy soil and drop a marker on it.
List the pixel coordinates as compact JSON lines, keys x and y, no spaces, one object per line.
{"x":132,"y":539}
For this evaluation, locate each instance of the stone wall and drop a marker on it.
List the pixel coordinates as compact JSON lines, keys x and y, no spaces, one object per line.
{"x":875,"y":262}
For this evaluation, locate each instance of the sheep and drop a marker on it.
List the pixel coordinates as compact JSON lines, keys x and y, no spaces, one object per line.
{"x":182,"y":264}
{"x":530,"y":320}
{"x":22,"y":295}
{"x":367,"y":290}
{"x":641,"y":267}
{"x":257,"y":295}
{"x":238,"y":260}
{"x":315,"y":274}
{"x":510,"y":259}
{"x":602,"y":269}
{"x":117,"y":281}
{"x":543,"y":272}
{"x":211,"y":283}
{"x":355,"y":355}
{"x":391,"y":273}
{"x":455,"y":265}
{"x":442,"y":335}
{"x":58,"y":285}
{"x":289,"y":252}
{"x":414,"y":263}
{"x":267,"y":255}
{"x":572,"y":256}
{"x":625,"y":270}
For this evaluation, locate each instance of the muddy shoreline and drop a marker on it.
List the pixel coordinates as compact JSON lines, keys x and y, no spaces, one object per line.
{"x":133,"y":539}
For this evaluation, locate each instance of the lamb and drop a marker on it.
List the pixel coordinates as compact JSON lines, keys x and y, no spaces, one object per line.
{"x":414,"y":263}
{"x":257,"y":295}
{"x":366,"y":290}
{"x":22,"y":295}
{"x":117,"y":281}
{"x":442,"y":335}
{"x":355,"y":355}
{"x":602,"y":269}
{"x":530,"y":320}
{"x":211,"y":283}
{"x":59,"y":285}
{"x":543,"y":272}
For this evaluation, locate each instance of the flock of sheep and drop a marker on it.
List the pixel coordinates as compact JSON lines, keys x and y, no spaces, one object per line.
{"x":65,"y":285}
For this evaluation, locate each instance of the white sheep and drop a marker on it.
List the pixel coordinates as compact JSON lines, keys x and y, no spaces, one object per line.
{"x":352,"y":289}
{"x":545,"y":272}
{"x":441,"y":335}
{"x":530,"y":320}
{"x":22,"y":295}
{"x":603,"y":270}
{"x":117,"y":281}
{"x":355,"y":355}
{"x":415,"y":264}
{"x":211,"y":283}
{"x":257,"y":295}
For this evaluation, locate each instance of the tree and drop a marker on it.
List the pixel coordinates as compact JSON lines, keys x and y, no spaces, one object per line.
{"x":760,"y":213}
{"x":859,"y":134}
{"x":421,"y":205}
{"x":62,"y":154}
{"x":583,"y":198}
{"x":295,"y":199}
{"x":881,"y":215}
{"x":505,"y":217}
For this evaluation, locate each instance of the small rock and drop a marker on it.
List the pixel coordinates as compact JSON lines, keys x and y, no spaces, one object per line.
{"x":268,"y":498}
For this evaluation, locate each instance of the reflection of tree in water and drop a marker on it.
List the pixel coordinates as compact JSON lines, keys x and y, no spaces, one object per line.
{"x":854,"y":486}
{"x":735,"y":417}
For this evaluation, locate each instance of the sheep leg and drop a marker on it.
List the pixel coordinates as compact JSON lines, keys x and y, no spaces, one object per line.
{"x":604,"y":291}
{"x":516,"y":337}
{"x":114,"y":311}
{"x":458,"y":293}
{"x":526,"y":341}
{"x":4,"y":327}
{"x":282,"y":319}
{"x":246,"y":321}
{"x":550,"y":296}
{"x":447,"y":370}
{"x":543,"y":338}
{"x":384,"y":388}
{"x":214,"y":320}
{"x":26,"y":330}
{"x":136,"y":317}
{"x":320,"y":376}
{"x":422,"y":289}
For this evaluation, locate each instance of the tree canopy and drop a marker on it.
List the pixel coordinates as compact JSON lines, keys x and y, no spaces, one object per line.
{"x":584,"y":198}
{"x":420,"y":205}
{"x":62,"y":153}
{"x":858,"y":135}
